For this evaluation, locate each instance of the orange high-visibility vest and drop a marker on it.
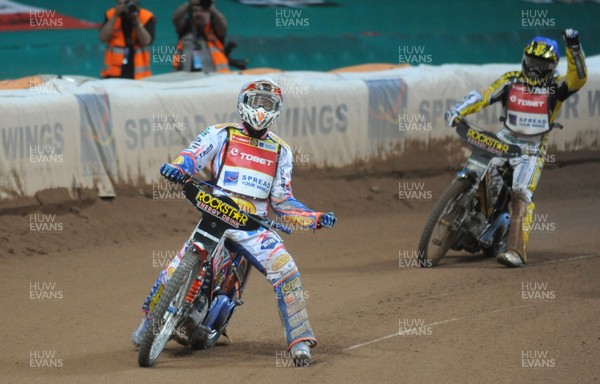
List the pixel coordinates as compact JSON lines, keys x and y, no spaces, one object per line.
{"x":215,"y":46}
{"x":115,"y":50}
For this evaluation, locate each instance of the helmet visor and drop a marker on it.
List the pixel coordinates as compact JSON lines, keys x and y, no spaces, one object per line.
{"x":257,"y":101}
{"x":538,"y":66}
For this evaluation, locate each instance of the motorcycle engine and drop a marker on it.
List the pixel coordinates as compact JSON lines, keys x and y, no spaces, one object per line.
{"x":475,"y":225}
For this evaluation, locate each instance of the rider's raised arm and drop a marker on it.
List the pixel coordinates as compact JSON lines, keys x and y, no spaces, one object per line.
{"x":475,"y":100}
{"x":202,"y":150}
{"x":576,"y":75}
{"x":283,"y":202}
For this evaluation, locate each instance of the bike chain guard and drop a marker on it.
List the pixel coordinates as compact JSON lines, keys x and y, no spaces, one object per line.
{"x":501,"y":221}
{"x":219,"y":312}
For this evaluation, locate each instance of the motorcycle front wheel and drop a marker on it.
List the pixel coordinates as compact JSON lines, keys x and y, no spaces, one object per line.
{"x":443,"y":226}
{"x":168,"y":312}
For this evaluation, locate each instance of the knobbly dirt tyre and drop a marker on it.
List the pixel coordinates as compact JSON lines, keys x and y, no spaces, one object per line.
{"x":449,"y":207}
{"x":160,"y":330}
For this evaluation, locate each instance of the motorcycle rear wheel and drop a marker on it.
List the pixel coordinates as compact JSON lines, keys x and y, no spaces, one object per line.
{"x":167,"y":314}
{"x":442,"y":229}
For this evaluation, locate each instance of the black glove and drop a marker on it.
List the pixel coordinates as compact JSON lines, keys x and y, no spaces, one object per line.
{"x":571,"y":37}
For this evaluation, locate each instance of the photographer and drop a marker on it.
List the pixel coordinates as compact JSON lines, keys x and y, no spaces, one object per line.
{"x":127,"y":30}
{"x":201,"y":29}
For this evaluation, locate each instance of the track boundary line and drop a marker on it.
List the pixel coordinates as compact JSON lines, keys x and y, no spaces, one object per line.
{"x":434,"y":324}
{"x":567,"y":259}
{"x":581,"y":257}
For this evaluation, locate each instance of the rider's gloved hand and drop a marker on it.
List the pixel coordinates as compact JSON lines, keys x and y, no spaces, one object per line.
{"x":326,"y":220}
{"x":177,"y":170}
{"x":172,"y":172}
{"x":571,"y":37}
{"x":451,"y":117}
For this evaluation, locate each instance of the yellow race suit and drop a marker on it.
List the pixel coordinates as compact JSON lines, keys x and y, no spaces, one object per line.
{"x":528,"y":112}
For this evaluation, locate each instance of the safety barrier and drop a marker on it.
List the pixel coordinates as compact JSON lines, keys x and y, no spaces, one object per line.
{"x":85,"y":133}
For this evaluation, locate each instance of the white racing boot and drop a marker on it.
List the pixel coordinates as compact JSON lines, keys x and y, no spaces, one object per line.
{"x":292,"y":309}
{"x":138,"y":335}
{"x":301,"y":354}
{"x":510,"y":259}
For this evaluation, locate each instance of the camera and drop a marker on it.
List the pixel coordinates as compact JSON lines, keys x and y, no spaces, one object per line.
{"x":205,"y":4}
{"x":131,"y":7}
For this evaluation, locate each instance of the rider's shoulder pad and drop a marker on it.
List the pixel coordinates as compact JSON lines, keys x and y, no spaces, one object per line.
{"x":226,"y":125}
{"x":278,"y":140}
{"x":512,"y":75}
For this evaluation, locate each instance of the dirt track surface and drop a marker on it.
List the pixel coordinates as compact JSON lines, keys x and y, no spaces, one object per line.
{"x":476,"y":321}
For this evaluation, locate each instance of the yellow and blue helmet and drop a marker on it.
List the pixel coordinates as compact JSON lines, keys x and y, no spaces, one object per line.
{"x":540,"y":58}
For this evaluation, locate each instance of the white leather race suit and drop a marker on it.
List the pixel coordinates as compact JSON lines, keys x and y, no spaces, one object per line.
{"x":255,"y":173}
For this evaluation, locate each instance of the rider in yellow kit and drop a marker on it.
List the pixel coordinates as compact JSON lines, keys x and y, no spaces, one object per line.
{"x":530,"y":100}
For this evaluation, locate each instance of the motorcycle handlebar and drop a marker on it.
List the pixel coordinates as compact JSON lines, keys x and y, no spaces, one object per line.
{"x":486,"y":141}
{"x":264,"y":222}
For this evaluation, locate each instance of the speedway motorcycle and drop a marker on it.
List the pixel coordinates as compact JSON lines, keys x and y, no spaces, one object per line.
{"x":467,"y":217}
{"x":198,"y":301}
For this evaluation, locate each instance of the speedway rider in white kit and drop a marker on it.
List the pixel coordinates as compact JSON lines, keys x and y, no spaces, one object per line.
{"x":530,"y":101}
{"x":253,"y":166}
